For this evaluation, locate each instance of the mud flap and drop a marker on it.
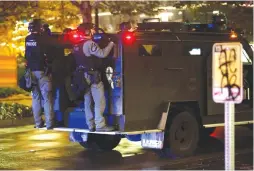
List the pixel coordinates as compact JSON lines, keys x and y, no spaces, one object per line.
{"x":152,"y":140}
{"x":78,"y":137}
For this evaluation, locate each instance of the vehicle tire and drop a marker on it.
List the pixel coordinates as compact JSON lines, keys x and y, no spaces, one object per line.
{"x":101,"y":142}
{"x":182,"y":134}
{"x":106,"y":142}
{"x":89,"y":144}
{"x":86,"y":145}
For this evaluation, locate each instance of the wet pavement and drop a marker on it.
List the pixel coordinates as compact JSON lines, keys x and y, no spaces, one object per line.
{"x":24,"y":148}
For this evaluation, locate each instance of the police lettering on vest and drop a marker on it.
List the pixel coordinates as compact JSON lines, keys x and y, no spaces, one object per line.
{"x":34,"y":44}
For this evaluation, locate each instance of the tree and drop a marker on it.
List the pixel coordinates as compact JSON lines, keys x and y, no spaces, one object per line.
{"x":59,"y":14}
{"x":14,"y":16}
{"x":85,"y":9}
{"x":62,"y":14}
{"x":237,"y":12}
{"x":116,"y":7}
{"x":197,"y":7}
{"x":10,"y":13}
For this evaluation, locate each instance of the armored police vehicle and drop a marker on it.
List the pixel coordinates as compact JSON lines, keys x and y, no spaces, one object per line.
{"x":159,"y":88}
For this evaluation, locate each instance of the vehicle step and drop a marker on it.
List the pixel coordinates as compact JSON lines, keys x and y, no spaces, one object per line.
{"x":64,"y":129}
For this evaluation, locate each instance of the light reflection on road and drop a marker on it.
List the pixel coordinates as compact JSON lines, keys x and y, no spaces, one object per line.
{"x":128,"y":148}
{"x":46,"y":136}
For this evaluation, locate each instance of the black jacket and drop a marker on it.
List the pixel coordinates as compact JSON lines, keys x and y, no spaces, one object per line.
{"x":39,"y":51}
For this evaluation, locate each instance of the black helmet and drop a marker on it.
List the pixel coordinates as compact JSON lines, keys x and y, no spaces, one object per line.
{"x":35,"y":26}
{"x":46,"y":29}
{"x":125,"y":26}
{"x":86,"y":28}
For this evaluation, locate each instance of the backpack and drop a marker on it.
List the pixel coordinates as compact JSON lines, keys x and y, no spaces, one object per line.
{"x":25,"y":82}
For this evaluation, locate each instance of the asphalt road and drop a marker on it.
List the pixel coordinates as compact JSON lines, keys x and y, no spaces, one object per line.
{"x":24,"y":148}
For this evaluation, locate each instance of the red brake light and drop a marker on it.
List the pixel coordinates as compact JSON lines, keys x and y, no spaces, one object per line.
{"x":75,"y":36}
{"x":128,"y":37}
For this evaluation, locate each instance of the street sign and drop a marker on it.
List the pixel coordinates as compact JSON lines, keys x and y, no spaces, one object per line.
{"x":228,"y":89}
{"x":227,"y":73}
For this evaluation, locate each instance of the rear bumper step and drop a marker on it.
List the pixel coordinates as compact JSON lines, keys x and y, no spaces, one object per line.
{"x":108,"y":133}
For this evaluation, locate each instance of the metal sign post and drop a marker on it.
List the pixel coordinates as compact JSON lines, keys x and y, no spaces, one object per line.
{"x":229,"y":142}
{"x":228,"y":89}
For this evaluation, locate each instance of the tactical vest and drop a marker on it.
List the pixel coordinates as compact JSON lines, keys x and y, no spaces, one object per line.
{"x":87,"y":62}
{"x":79,"y":56}
{"x":35,"y":53}
{"x":79,"y":85}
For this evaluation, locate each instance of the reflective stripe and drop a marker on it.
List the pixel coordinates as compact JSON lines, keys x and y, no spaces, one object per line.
{"x":222,"y":124}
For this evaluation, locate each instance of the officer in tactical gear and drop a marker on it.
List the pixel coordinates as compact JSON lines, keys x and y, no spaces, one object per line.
{"x":46,"y":29}
{"x":125,"y":26}
{"x":88,"y":56}
{"x":35,"y":54}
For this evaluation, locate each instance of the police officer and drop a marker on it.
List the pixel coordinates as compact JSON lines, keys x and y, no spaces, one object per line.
{"x":89,"y":50}
{"x":46,"y":29}
{"x":35,"y":55}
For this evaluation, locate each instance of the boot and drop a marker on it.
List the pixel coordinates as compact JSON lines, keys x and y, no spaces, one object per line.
{"x":105,"y":129}
{"x":41,"y":125}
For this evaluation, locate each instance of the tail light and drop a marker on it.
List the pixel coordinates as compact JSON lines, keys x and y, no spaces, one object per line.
{"x":128,"y":37}
{"x":74,"y":36}
{"x":233,"y":35}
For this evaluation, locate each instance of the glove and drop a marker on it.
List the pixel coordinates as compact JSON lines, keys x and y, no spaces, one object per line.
{"x":112,"y":42}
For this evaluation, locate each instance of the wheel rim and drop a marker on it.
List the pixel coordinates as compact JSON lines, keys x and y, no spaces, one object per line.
{"x":183,"y":135}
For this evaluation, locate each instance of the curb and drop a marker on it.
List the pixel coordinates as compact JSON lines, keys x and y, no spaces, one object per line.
{"x":17,"y":122}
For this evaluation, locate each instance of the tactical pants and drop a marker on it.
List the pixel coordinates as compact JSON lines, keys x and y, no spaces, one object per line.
{"x":96,"y":93}
{"x":43,"y":89}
